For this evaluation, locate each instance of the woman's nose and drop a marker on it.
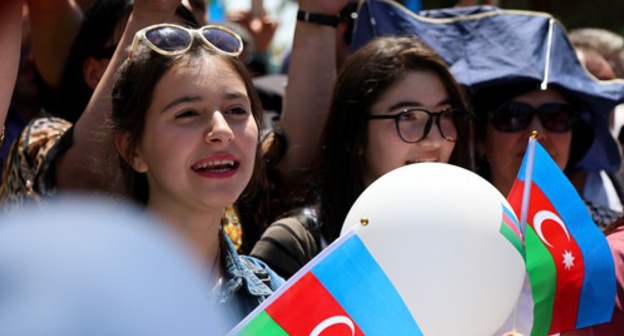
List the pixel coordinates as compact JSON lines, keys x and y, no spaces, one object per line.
{"x":219,"y":130}
{"x":434,"y":139}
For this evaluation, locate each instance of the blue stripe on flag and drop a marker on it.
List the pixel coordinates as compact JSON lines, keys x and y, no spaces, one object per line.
{"x":364,"y":291}
{"x":511,"y":215}
{"x":599,"y":288}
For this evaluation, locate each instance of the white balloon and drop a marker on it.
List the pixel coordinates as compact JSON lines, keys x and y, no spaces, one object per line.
{"x":435,"y":231}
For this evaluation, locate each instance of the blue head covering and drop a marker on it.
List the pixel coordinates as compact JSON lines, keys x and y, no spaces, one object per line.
{"x":487,"y":47}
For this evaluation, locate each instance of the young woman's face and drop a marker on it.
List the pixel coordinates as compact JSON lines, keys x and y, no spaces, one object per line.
{"x":384,"y":149}
{"x":200,"y":137}
{"x":505,"y":150}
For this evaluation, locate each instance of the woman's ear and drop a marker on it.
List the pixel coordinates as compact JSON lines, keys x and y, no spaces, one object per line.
{"x":131,"y":155}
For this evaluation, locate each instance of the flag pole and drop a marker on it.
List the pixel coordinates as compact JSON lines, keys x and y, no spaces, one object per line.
{"x":528,"y":179}
{"x":371,"y":18}
{"x":524,"y":211}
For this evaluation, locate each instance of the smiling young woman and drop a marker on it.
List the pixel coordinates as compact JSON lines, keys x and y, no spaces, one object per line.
{"x":395,"y":103}
{"x":186,"y":119}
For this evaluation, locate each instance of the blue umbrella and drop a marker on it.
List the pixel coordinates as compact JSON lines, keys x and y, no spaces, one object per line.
{"x":486,"y":46}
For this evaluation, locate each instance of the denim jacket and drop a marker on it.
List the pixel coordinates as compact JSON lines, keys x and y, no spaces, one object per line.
{"x":247,"y":281}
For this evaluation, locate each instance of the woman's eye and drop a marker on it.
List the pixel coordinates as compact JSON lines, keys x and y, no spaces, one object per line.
{"x":186,"y":114}
{"x":238,"y":111}
{"x":409,"y":116}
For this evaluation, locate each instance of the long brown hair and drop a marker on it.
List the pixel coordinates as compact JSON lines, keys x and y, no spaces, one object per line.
{"x":613,"y":226}
{"x":364,"y":77}
{"x":132,"y":95}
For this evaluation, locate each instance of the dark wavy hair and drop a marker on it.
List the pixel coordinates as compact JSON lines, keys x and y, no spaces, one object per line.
{"x":365,"y":76}
{"x":132,"y":95}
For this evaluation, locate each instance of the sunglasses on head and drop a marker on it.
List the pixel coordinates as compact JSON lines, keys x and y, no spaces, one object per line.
{"x":517,"y":116}
{"x":171,"y":40}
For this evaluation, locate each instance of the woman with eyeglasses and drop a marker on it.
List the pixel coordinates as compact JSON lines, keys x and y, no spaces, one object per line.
{"x":186,"y":120}
{"x":395,"y":103}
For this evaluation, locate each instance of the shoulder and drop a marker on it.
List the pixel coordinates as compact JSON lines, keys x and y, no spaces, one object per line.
{"x":288,"y":229}
{"x":288,"y":244}
{"x":293,"y":232}
{"x":29,"y":171}
{"x":616,"y":243}
{"x":263,"y":272}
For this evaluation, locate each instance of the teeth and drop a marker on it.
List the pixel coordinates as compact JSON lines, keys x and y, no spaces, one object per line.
{"x":422,"y":160}
{"x":217,"y":163}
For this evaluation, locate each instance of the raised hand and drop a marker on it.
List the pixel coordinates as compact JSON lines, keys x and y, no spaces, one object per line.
{"x":262,"y":28}
{"x":329,"y":7}
{"x":154,"y":11}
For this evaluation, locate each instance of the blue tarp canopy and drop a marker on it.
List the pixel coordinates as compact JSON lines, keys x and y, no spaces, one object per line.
{"x":486,"y":46}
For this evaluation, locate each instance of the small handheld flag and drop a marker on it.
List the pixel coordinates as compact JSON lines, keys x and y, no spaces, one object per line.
{"x":342,"y":291}
{"x":570,"y":266}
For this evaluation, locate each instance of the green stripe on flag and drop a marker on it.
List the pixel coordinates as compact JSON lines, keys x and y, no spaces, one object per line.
{"x":543,"y":277}
{"x":513,"y":238}
{"x":262,"y":324}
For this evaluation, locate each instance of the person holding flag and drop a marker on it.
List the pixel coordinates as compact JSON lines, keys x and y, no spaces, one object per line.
{"x":507,"y":114}
{"x":568,"y":259}
{"x":522,"y":74}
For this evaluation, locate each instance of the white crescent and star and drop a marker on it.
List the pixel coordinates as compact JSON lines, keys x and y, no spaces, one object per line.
{"x":542,"y":216}
{"x":334,"y":320}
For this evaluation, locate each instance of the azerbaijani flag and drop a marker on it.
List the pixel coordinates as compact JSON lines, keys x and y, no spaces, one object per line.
{"x":510,"y":228}
{"x":568,"y":259}
{"x":342,"y":291}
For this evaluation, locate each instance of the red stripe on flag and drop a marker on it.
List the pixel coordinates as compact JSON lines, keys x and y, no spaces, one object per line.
{"x":307,"y":306}
{"x":565,"y":252}
{"x":512,"y":225}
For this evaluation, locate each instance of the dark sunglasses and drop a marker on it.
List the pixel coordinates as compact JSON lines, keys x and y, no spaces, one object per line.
{"x":171,"y":40}
{"x":517,"y":116}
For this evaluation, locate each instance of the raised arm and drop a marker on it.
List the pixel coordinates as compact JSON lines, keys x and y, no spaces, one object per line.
{"x":87,"y":164}
{"x":54,"y":26}
{"x":10,"y":39}
{"x":311,"y":78}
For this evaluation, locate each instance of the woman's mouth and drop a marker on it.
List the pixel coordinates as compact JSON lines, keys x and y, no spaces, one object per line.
{"x":421,"y":160}
{"x":216,"y":167}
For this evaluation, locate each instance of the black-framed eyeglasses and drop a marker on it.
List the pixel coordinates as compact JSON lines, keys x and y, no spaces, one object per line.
{"x":413,"y":125}
{"x":516,"y":116}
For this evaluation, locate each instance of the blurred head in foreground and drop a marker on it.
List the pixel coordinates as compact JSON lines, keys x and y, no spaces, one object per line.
{"x":89,"y":267}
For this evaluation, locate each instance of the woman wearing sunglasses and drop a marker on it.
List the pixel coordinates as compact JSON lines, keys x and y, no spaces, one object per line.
{"x":186,"y":119}
{"x":506,"y":116}
{"x":395,"y":103}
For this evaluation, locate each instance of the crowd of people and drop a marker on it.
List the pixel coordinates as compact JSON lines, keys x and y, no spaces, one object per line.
{"x":147,"y":103}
